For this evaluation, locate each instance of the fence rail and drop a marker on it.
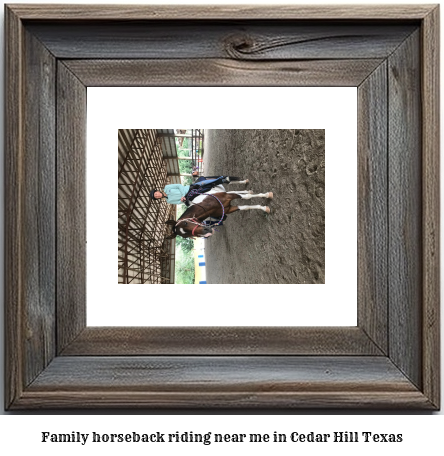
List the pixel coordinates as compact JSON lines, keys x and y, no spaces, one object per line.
{"x":144,"y":255}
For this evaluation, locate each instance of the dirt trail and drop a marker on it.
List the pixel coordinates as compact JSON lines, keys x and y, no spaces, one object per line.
{"x":288,"y":245}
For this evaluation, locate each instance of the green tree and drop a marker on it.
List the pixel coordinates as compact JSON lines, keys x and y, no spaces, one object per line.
{"x":186,"y":245}
{"x":185,"y":166}
{"x":181,"y":208}
{"x":184,"y":266}
{"x":187,"y":180}
{"x":184,"y":255}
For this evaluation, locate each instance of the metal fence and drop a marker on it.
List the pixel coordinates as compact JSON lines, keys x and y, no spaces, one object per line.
{"x":195,"y":149}
{"x":144,"y":255}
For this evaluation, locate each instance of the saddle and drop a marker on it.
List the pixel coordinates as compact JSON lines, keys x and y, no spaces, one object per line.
{"x":196,"y":190}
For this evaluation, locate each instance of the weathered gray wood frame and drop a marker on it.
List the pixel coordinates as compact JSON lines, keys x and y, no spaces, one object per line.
{"x":390,"y":360}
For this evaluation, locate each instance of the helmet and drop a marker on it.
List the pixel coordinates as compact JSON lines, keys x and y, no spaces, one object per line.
{"x":152,"y":194}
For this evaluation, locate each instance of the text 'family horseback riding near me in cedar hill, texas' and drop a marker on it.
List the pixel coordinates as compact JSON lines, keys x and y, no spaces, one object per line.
{"x":208,"y":438}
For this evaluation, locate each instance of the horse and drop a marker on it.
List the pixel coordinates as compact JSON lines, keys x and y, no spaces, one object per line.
{"x":214,"y":204}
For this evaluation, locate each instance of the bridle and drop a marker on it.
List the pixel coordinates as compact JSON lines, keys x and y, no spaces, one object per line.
{"x":191,"y":220}
{"x":196,"y":221}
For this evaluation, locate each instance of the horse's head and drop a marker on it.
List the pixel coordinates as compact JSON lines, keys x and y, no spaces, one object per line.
{"x":188,"y":228}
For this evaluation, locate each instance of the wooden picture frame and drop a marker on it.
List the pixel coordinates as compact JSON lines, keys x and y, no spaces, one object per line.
{"x":390,"y":360}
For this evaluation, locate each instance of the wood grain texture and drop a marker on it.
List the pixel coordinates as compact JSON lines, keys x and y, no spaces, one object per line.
{"x":220,"y":12}
{"x":233,"y":382}
{"x":266,"y":40}
{"x":71,"y":206}
{"x":219,"y":72}
{"x":372,"y":207}
{"x":13,"y":207}
{"x":246,"y":401}
{"x":430,"y":94}
{"x":405,"y":209}
{"x":30,"y":227}
{"x":125,"y":341}
{"x":38,"y":221}
{"x":206,"y":373}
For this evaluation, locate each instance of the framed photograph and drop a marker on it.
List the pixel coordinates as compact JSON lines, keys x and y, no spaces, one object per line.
{"x":389,"y":359}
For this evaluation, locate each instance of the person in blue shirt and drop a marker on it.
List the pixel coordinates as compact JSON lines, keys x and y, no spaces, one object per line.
{"x":176,"y":193}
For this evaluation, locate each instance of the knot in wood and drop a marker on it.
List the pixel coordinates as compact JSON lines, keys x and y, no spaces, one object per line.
{"x":239,"y":46}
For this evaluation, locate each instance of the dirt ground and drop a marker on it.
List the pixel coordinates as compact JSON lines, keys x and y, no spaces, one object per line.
{"x":287,"y":245}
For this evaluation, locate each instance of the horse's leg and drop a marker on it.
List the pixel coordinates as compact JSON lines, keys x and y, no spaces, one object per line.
{"x":259,"y":195}
{"x":232,"y":209}
{"x":237,"y":180}
{"x":233,"y":195}
{"x":247,"y":208}
{"x":242,"y":192}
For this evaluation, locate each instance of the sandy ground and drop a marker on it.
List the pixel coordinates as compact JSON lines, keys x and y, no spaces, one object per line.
{"x":287,"y":245}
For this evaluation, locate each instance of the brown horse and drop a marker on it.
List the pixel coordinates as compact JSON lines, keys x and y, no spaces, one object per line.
{"x":215,"y":204}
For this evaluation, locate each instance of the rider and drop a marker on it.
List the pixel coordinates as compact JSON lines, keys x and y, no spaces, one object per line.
{"x":176,"y":193}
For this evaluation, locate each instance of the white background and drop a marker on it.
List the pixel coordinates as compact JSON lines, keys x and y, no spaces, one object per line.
{"x":329,"y":304}
{"x":22,"y":433}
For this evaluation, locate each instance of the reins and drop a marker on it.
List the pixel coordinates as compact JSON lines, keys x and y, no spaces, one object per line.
{"x":223,"y":209}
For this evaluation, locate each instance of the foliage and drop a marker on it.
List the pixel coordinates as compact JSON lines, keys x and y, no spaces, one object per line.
{"x":181,"y":208}
{"x":187,"y":180}
{"x":185,"y":166}
{"x":184,"y":255}
{"x":186,"y":245}
{"x":184,"y":266}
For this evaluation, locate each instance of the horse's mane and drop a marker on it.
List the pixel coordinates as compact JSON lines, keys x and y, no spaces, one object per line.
{"x":186,"y":214}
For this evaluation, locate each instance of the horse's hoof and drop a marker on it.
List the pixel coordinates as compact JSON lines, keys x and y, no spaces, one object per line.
{"x":270,"y":195}
{"x":267,"y":209}
{"x":247,"y":181}
{"x":250,"y":192}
